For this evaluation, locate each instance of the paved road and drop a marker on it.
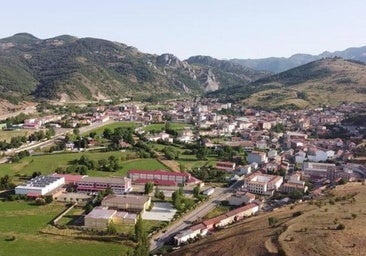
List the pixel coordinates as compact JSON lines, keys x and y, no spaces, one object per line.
{"x":219,"y":195}
{"x":59,"y":133}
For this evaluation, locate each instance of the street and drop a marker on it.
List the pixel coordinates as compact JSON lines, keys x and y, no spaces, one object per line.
{"x":219,"y":195}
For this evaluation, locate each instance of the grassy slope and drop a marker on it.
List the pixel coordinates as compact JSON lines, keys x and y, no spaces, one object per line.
{"x":329,"y":81}
{"x":253,"y":235}
{"x":29,"y":242}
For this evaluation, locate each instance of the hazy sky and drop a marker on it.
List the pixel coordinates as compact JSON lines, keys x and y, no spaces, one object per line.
{"x":222,"y":29}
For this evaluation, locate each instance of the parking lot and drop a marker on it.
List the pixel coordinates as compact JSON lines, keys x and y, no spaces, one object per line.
{"x":160,"y":211}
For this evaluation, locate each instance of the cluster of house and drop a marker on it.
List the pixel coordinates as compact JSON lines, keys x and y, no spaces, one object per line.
{"x":203,"y":228}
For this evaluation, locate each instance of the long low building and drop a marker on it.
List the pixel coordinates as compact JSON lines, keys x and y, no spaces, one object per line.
{"x":118,"y":185}
{"x":317,"y":169}
{"x":40,"y":185}
{"x":159,"y":177}
{"x":218,"y":222}
{"x":101,"y":217}
{"x":127,"y":202}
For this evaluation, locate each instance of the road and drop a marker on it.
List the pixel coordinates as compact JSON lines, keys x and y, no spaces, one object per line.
{"x":219,"y":195}
{"x":59,"y":133}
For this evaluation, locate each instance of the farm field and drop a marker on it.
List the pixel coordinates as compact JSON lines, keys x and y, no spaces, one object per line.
{"x":113,"y":126}
{"x":7,"y":135}
{"x":28,"y":241}
{"x":47,"y":164}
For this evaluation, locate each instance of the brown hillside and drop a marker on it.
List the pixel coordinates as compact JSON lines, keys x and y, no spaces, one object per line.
{"x":312,"y":233}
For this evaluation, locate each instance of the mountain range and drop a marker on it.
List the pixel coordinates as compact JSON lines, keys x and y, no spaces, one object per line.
{"x":329,"y":81}
{"x":277,"y":65}
{"x":66,"y":68}
{"x":69,"y":68}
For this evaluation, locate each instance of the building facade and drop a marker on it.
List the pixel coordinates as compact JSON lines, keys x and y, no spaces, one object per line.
{"x":118,"y":185}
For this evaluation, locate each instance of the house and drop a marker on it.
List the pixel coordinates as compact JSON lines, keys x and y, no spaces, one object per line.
{"x":118,"y":185}
{"x":160,"y":136}
{"x":257,"y":157}
{"x":237,"y":214}
{"x":99,"y":218}
{"x":259,"y":183}
{"x":246,"y":169}
{"x":190,"y":233}
{"x":79,"y":198}
{"x":131,"y":203}
{"x":225,"y":166}
{"x":240,"y":198}
{"x":317,"y":169}
{"x":208,"y":191}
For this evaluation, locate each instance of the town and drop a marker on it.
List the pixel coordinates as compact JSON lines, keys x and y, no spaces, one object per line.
{"x":186,"y":167}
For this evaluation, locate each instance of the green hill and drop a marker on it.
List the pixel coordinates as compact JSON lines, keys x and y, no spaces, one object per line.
{"x":68,"y":68}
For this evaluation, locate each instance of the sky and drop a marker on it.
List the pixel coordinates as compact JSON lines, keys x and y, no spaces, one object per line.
{"x":222,"y":29}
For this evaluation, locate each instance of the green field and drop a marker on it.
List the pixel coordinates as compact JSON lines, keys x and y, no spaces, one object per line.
{"x":48,"y":163}
{"x":160,"y":127}
{"x":7,"y":135}
{"x":24,"y":221}
{"x":113,"y":126}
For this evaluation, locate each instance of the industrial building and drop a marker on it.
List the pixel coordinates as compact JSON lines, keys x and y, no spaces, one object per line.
{"x":40,"y":185}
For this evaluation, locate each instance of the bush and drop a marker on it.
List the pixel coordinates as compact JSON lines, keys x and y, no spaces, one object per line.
{"x":296,"y":214}
{"x":340,"y":226}
{"x":40,"y":201}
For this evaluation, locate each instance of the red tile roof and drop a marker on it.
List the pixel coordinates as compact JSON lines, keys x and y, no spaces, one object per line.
{"x":159,"y":172}
{"x":157,"y":182}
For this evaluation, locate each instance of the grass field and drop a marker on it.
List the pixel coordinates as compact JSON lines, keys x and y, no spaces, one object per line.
{"x":48,"y":163}
{"x":7,"y":135}
{"x":24,"y":221}
{"x":113,"y":126}
{"x":160,"y":127}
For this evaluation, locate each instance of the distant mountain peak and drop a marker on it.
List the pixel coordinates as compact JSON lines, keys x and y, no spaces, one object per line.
{"x":277,"y":65}
{"x":21,"y":38}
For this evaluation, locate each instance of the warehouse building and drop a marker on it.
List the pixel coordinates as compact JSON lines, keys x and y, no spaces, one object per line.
{"x":40,"y":185}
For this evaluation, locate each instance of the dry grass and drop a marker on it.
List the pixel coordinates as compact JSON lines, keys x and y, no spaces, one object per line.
{"x":345,"y":82}
{"x":312,"y":233}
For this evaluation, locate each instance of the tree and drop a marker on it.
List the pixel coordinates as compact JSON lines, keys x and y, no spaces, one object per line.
{"x":76,"y":131}
{"x":142,"y":248}
{"x":48,"y":199}
{"x":157,"y":191}
{"x":139,"y":229}
{"x":196,"y":191}
{"x":272,"y":221}
{"x":201,"y":153}
{"x":149,"y":186}
{"x":50,"y":132}
{"x":111,"y":229}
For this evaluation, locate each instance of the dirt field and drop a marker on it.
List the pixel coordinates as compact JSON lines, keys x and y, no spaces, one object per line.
{"x":314,"y":232}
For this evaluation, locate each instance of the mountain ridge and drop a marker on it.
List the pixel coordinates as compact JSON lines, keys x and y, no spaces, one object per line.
{"x":280,"y":64}
{"x":328,"y":81}
{"x":71,"y":68}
